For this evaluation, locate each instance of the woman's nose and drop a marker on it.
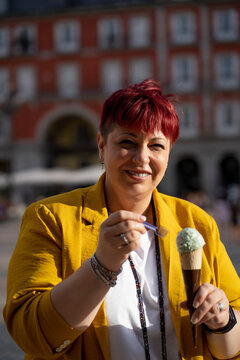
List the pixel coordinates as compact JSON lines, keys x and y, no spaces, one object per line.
{"x":141,"y":155}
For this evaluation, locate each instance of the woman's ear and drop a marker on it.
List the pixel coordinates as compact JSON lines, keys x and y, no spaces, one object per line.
{"x":101,"y":144}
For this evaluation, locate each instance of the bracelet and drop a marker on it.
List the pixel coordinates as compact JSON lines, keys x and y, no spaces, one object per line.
{"x":107,"y":276}
{"x":231,"y":323}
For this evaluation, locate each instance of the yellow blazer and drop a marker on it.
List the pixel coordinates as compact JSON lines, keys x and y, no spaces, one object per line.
{"x":59,"y":233}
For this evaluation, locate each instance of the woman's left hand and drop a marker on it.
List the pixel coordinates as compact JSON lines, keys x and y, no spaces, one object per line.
{"x":212,"y":307}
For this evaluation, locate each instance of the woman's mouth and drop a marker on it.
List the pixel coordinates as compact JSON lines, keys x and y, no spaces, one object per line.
{"x":139,"y":174}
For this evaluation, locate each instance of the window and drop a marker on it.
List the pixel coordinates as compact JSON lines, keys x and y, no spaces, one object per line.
{"x":227,"y":119}
{"x":4,"y":129}
{"x":189,"y":121}
{"x":3,"y":6}
{"x":139,"y":31}
{"x":66,"y":37}
{"x":24,"y":40}
{"x":139,"y":70}
{"x":183,"y":28}
{"x":68,"y":80}
{"x":26,"y":82}
{"x":4,"y":84}
{"x":184,"y":73}
{"x":112,"y":75}
{"x":225,"y":24}
{"x":110,"y":33}
{"x":4,"y":42}
{"x":227,"y":71}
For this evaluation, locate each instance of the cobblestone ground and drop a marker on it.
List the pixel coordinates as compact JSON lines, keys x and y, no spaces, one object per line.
{"x":8,"y":236}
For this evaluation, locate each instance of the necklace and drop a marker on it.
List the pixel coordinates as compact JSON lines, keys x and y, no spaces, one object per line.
{"x":160,"y":301}
{"x":160,"y":297}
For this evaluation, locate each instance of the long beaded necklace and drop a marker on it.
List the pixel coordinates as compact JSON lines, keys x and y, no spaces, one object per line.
{"x":160,"y":301}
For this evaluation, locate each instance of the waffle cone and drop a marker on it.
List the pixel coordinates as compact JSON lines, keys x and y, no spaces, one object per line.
{"x":191,"y":260}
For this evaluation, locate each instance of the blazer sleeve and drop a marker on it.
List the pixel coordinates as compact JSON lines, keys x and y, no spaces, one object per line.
{"x":226,"y":276}
{"x":34,"y":269}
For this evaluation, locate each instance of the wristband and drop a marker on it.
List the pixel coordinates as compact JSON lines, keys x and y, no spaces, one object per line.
{"x":107,"y":276}
{"x":231,"y":323}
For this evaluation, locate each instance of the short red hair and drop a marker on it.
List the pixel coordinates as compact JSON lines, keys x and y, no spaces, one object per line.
{"x":141,"y":107}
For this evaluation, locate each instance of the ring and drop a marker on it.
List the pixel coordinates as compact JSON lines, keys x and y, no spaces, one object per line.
{"x":220,"y":306}
{"x":124,"y":238}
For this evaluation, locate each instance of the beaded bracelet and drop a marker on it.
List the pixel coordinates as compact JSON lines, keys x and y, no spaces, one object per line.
{"x":107,"y":276}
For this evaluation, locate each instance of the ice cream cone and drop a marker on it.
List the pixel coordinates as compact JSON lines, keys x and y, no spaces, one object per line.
{"x":191,"y":268}
{"x":190,"y":243}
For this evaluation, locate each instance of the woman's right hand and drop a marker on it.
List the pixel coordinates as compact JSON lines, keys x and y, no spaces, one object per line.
{"x":112,"y":251}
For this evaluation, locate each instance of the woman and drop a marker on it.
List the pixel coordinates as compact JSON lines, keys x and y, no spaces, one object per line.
{"x":87,"y":280}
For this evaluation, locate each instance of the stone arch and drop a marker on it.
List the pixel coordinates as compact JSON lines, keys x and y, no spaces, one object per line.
{"x":67,"y":136}
{"x":188,"y":176}
{"x":229,"y":169}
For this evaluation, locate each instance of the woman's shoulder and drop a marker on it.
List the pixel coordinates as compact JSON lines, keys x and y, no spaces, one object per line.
{"x":186,"y":212}
{"x":67,"y":201}
{"x":179,"y":204}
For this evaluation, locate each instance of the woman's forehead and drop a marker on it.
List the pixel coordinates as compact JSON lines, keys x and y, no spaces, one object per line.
{"x":119,"y":130}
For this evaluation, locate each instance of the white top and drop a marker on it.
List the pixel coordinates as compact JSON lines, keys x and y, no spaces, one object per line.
{"x":121,"y":303}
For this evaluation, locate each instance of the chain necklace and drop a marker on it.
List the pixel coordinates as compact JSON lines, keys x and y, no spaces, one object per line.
{"x":160,"y":301}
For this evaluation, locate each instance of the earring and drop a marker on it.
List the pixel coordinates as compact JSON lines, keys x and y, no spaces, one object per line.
{"x":101,"y":161}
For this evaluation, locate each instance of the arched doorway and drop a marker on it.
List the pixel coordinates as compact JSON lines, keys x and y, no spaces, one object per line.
{"x":229,"y":170}
{"x":70,"y":143}
{"x":187,"y":176}
{"x":230,"y":185}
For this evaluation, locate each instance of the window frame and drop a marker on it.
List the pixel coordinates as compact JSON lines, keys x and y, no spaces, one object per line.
{"x":233,"y":20}
{"x":63,"y":89}
{"x":177,"y":36}
{"x":221,"y":80}
{"x":4,"y":83}
{"x":139,"y":38}
{"x":191,"y":131}
{"x":104,"y":25}
{"x":62,"y":45}
{"x":106,"y":75}
{"x":5,"y":48}
{"x":32,"y":90}
{"x":137,"y":64}
{"x":192,"y":81}
{"x":222,"y":129}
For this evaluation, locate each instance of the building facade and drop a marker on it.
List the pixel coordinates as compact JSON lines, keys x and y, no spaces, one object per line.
{"x":59,"y":61}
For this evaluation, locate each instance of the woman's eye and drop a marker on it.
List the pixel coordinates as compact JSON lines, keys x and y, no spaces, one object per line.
{"x":126,"y":142}
{"x":158,"y":146}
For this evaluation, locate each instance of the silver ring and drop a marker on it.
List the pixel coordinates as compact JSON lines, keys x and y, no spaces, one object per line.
{"x":220,"y":306}
{"x":124,"y":238}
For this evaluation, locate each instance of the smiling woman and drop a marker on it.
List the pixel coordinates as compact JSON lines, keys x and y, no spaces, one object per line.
{"x":100,"y":271}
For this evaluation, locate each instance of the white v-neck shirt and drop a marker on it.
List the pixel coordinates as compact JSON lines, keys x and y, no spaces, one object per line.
{"x":121,"y":304}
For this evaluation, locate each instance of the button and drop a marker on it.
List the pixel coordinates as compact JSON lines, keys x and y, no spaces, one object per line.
{"x":63,"y":346}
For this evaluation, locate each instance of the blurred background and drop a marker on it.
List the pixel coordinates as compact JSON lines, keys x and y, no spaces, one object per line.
{"x":59,"y":61}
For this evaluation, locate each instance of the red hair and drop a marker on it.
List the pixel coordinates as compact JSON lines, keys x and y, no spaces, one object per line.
{"x":141,"y":107}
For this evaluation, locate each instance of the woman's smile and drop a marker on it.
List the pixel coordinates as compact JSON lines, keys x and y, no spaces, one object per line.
{"x":138,"y":174}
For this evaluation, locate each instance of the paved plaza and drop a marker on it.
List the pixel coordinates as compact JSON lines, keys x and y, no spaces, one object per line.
{"x":8,"y":236}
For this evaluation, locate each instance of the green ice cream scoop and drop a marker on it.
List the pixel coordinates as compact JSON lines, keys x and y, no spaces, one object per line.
{"x":189,"y":239}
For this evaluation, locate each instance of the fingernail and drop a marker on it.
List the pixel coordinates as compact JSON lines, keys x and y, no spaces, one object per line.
{"x":143,"y":218}
{"x":194,"y":320}
{"x":196,"y":304}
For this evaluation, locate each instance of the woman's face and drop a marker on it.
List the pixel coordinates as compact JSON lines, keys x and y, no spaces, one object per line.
{"x":135,"y":162}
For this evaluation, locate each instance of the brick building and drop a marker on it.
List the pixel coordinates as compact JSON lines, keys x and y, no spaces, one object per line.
{"x":59,"y":60}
